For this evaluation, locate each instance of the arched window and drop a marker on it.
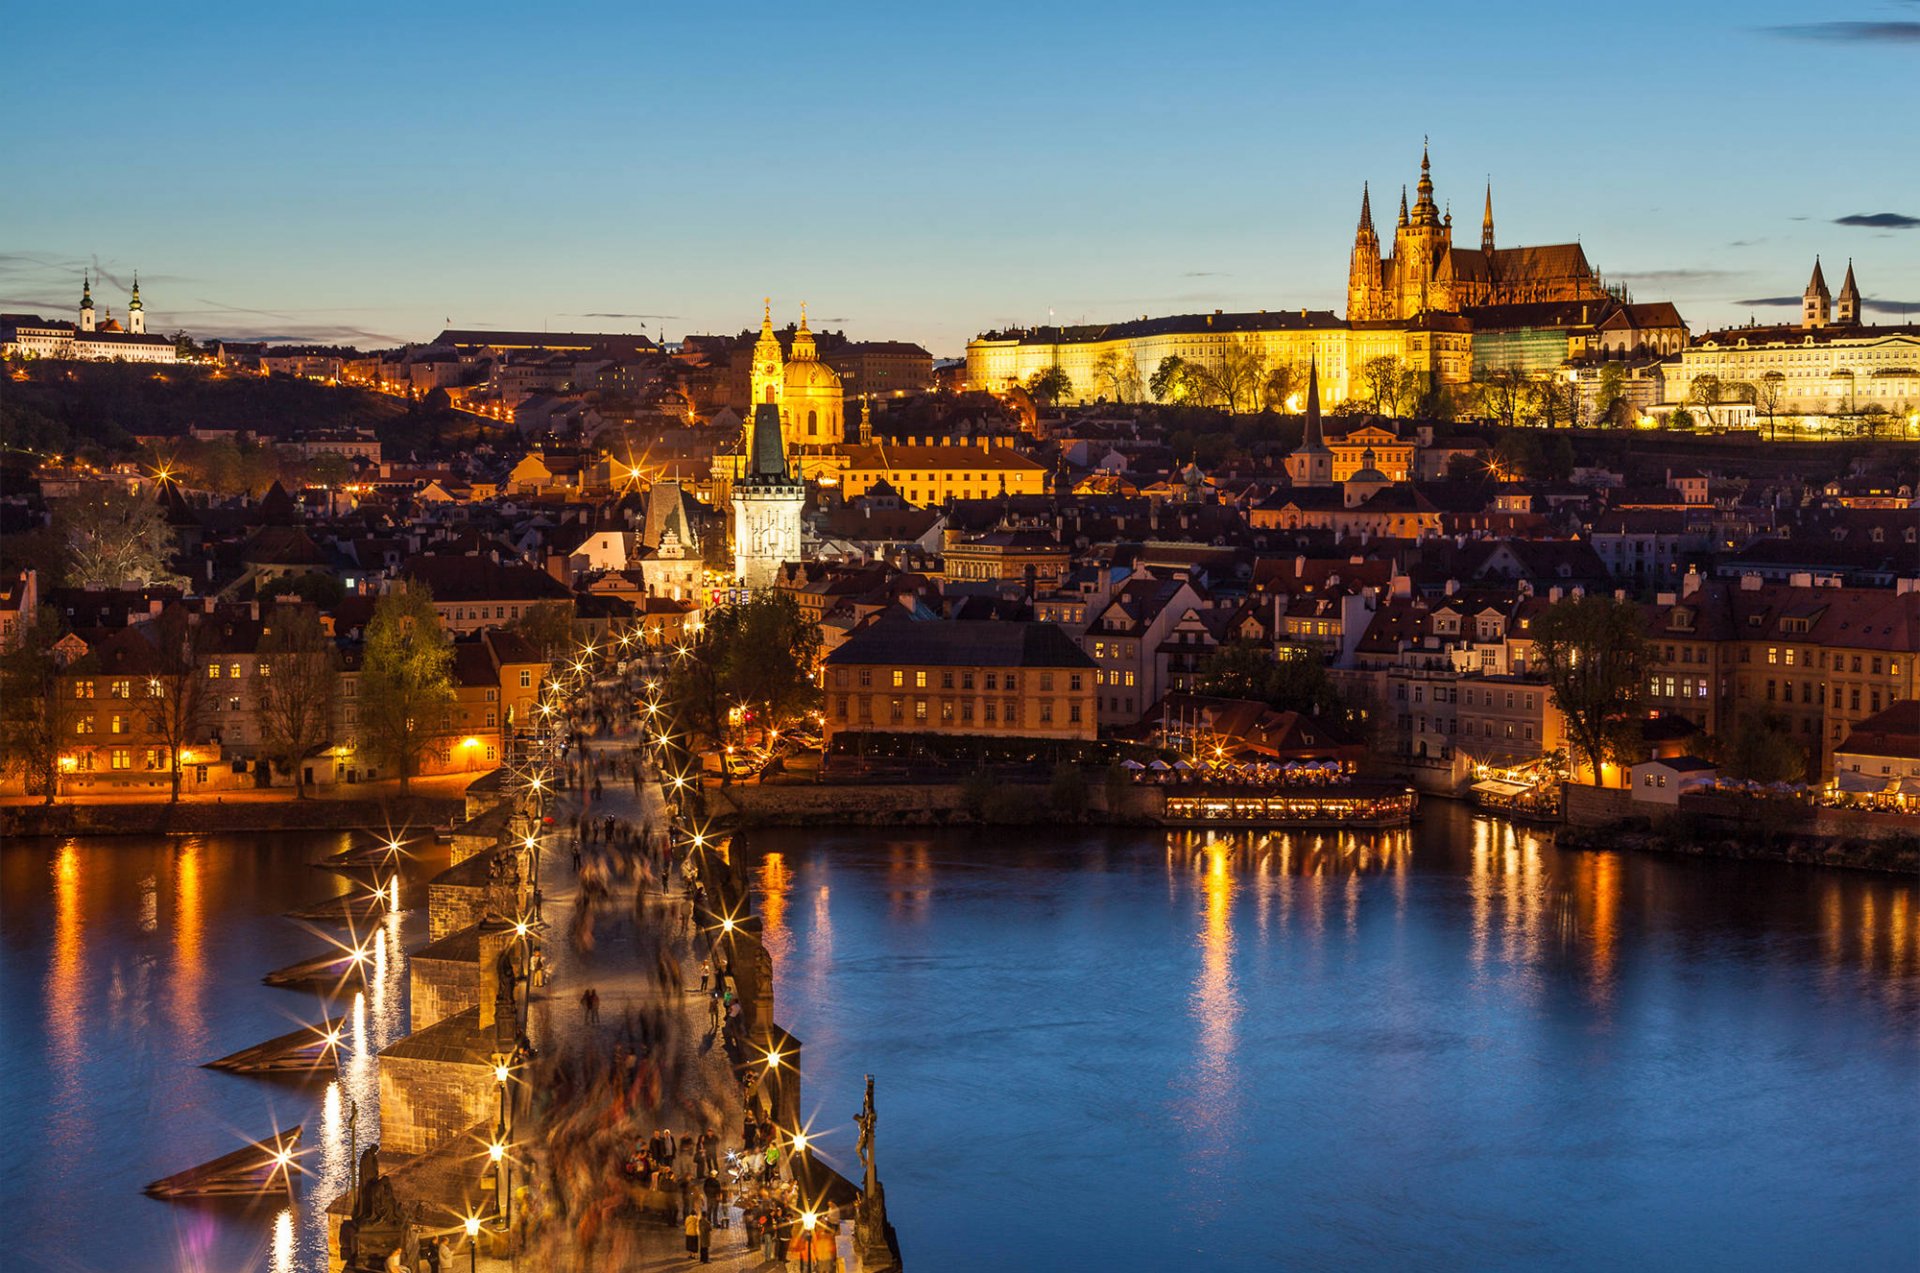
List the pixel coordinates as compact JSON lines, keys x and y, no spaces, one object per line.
{"x":769,"y":393}
{"x":813,"y":424}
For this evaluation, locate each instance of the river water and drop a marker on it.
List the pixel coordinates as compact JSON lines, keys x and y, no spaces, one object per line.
{"x":1453,"y":1046}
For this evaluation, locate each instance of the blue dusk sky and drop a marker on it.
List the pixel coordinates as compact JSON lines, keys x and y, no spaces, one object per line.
{"x":924,"y":172}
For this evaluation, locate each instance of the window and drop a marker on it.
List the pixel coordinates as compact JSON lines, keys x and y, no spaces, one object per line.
{"x":152,"y":758}
{"x":946,"y":680}
{"x":493,"y":696}
{"x":84,"y":689}
{"x":894,"y":711}
{"x":946,"y":711}
{"x":1011,"y":686}
{"x":119,"y":724}
{"x":1046,"y":682}
{"x":866,"y":676}
{"x":1046,"y":711}
{"x":492,"y":722}
{"x":920,"y":709}
{"x":992,"y":713}
{"x":233,"y":671}
{"x":1129,"y":680}
{"x":966,"y":680}
{"x":123,"y":689}
{"x":966,"y":711}
{"x":1073,"y":683}
{"x":840,"y":707}
{"x":526,"y":678}
{"x":992,"y":684}
{"x":122,"y":758}
{"x":899,"y":679}
{"x":213,"y":671}
{"x":84,"y":725}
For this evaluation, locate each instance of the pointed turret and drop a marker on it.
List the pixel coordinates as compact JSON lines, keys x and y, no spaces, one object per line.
{"x":1846,"y":310}
{"x":1311,"y":463}
{"x":1366,"y":213}
{"x":136,"y":312}
{"x":1403,"y":207}
{"x":766,"y":453}
{"x":86,"y":302}
{"x":1486,"y":223}
{"x":1816,"y":302}
{"x":803,"y":347}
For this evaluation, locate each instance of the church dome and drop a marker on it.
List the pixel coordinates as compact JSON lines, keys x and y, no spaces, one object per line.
{"x":808,"y":375}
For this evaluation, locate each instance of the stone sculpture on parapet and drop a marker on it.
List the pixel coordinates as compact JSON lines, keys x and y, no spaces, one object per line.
{"x":873,"y":1237}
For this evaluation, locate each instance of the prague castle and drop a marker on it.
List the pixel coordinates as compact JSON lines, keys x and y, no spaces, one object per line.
{"x":1442,"y":311}
{"x":1426,"y":272}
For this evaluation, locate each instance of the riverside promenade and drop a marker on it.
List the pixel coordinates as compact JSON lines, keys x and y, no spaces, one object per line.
{"x":630,"y":955}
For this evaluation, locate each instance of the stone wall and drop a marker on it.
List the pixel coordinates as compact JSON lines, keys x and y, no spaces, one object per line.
{"x":910,"y":804}
{"x":452,"y":907}
{"x":204,"y":817}
{"x":436,"y":1083}
{"x":1598,"y":806}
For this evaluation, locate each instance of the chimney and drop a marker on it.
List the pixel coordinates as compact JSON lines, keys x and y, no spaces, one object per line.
{"x":1554,"y":594}
{"x":1690,"y":584}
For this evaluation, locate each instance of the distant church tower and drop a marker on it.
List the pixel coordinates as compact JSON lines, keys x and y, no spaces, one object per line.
{"x":136,"y":312}
{"x":767,"y":502}
{"x":1311,"y":463}
{"x":1816,"y":302}
{"x":1846,"y":311}
{"x":1364,"y":298}
{"x":768,"y":378}
{"x":86,"y":303}
{"x":1486,"y":224}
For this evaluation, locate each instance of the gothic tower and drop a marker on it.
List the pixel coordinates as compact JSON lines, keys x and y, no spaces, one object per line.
{"x":86,"y":303}
{"x":1486,"y":224}
{"x":1311,"y":463}
{"x":767,"y":502}
{"x":1846,"y":310}
{"x":136,"y":312}
{"x":1363,"y":273}
{"x":1816,"y":302}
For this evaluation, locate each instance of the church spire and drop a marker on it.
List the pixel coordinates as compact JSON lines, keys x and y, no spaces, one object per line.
{"x":136,"y":312}
{"x":1403,"y":207}
{"x":1315,"y":439}
{"x":866,"y":419}
{"x":1846,"y":309}
{"x":803,"y":347}
{"x":86,"y":302}
{"x":1486,"y":223}
{"x":1424,"y":213}
{"x":1366,"y":210}
{"x":1816,"y":301}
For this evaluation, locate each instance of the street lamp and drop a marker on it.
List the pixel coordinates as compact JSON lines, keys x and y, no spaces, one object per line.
{"x":472,"y":1225}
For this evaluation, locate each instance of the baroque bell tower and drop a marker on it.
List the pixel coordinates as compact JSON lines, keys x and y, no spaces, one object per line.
{"x":768,"y":378}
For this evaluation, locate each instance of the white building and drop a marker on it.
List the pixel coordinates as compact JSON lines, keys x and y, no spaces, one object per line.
{"x":30,"y":336}
{"x":767,"y":502}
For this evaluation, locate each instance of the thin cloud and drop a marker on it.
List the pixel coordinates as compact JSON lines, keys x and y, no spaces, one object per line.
{"x":1746,"y":243}
{"x":1889,"y":307}
{"x":1879,"y":220}
{"x":650,"y":317}
{"x":1761,"y":301}
{"x":1206,"y":274}
{"x":1670,"y":277}
{"x":1852,"y":32}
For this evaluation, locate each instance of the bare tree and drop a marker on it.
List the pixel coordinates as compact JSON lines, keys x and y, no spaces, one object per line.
{"x":33,"y":714}
{"x":1503,"y":395}
{"x":175,"y":698}
{"x":1767,"y":395}
{"x":113,"y":537}
{"x":1235,"y":375}
{"x":299,"y":677}
{"x":1118,"y":373}
{"x":1704,"y":392}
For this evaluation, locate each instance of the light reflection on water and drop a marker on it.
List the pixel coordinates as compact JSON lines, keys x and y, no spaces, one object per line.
{"x":130,"y":962}
{"x":1453,"y":1046}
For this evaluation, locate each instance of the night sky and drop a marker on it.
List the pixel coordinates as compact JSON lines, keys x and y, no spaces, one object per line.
{"x":365,"y":175}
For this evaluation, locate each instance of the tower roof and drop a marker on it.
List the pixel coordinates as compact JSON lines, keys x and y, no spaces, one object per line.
{"x":1486,"y":218}
{"x":1817,"y":285}
{"x":1849,"y":290}
{"x":1366,"y":210}
{"x":134,"y":301}
{"x":766,"y":454}
{"x":1403,"y":207}
{"x":1314,"y":442}
{"x":86,"y":291}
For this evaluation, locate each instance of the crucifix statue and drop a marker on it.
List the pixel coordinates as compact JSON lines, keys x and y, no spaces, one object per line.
{"x":865,"y":1120}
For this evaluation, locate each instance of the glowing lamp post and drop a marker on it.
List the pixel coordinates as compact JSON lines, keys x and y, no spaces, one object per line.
{"x":472,"y":1225}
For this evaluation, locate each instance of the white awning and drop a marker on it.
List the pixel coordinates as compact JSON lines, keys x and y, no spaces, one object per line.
{"x":1495,"y":787}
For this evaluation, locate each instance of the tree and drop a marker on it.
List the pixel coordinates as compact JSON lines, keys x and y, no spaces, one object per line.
{"x":1503,"y":395}
{"x":769,"y":658}
{"x":1050,"y":385}
{"x":1610,"y":390}
{"x":33,"y":715}
{"x":1288,"y":677}
{"x":1680,"y":419}
{"x":1762,"y":749}
{"x":114,"y":537}
{"x":1118,"y":374}
{"x":1767,"y":396}
{"x":1067,"y":791}
{"x":1279,"y":386}
{"x":548,"y":627}
{"x":406,"y":680}
{"x":298,"y":682}
{"x":1172,"y":380}
{"x":1704,"y":392}
{"x":1235,"y":374}
{"x":176,"y":696}
{"x":1594,"y":652}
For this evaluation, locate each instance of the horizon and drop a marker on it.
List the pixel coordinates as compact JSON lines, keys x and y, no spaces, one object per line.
{"x":483,"y":176}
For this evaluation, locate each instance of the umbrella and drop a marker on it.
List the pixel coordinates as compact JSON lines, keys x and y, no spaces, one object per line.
{"x":1132,"y":764}
{"x":1159,"y":766}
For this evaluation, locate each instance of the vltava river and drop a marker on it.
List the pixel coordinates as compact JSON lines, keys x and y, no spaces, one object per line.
{"x":1453,"y":1047}
{"x":1448,"y":1048}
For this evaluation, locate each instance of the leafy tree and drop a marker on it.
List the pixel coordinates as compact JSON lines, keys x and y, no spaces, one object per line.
{"x":1762,"y":749}
{"x":176,"y":697}
{"x":1171,"y":380}
{"x":296,"y":688}
{"x":1289,"y":678}
{"x":1067,"y":792}
{"x":1611,"y":389}
{"x":760,"y":653}
{"x":1281,"y":384}
{"x":1680,"y":419}
{"x":114,"y":537}
{"x":1391,"y":386}
{"x":548,"y":627}
{"x":1593,"y":650}
{"x":32,"y":712}
{"x":1705,"y":392}
{"x":406,"y":680}
{"x":1050,"y":385}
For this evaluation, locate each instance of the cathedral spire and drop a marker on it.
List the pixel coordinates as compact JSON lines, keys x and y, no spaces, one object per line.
{"x":1366,"y":209}
{"x":1486,"y":223}
{"x":1403,"y":207}
{"x":1846,"y":310}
